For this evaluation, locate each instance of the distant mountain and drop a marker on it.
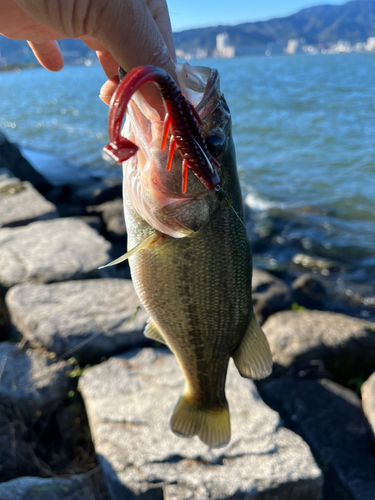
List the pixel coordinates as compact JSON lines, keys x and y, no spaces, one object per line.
{"x":353,"y":21}
{"x":324,"y":24}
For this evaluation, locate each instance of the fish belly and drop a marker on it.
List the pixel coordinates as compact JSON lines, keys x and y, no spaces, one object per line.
{"x":197,"y":290}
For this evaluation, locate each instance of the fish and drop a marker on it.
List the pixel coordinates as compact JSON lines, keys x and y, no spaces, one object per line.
{"x":189,"y":256}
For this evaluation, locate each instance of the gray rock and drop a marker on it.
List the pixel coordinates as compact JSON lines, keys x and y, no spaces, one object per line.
{"x":112,"y":213}
{"x":302,"y":341}
{"x":90,"y":319}
{"x":57,"y":171}
{"x":308,"y":291}
{"x":116,"y":228}
{"x":95,"y":191}
{"x":36,"y":488}
{"x":129,"y":401}
{"x":318,"y":264}
{"x":47,"y":251}
{"x":93,"y":221}
{"x":30,"y":380}
{"x":368,"y":401}
{"x":5,"y":174}
{"x":331,"y":420}
{"x":16,"y":453}
{"x":20,"y":204}
{"x":270,"y":294}
{"x":12,"y":159}
{"x":31,"y":386}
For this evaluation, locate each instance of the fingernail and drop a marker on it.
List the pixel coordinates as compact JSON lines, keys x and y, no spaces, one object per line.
{"x":105,"y":98}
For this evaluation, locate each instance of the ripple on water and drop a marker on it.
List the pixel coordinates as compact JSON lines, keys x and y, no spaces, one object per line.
{"x":303,"y":128}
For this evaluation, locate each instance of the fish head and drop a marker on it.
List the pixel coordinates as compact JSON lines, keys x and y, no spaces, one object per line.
{"x":155,"y":192}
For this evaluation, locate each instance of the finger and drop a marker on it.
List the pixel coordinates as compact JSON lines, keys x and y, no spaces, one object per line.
{"x":108,"y":63}
{"x":108,"y":89}
{"x":48,"y":54}
{"x":160,"y":14}
{"x":140,"y":43}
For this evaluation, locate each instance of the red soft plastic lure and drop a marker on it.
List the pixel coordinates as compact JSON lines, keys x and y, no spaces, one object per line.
{"x":181,"y":118}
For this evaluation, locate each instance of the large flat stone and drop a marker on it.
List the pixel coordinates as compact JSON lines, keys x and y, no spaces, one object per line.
{"x":331,"y":420}
{"x":88,"y":319}
{"x":31,"y":386}
{"x":129,"y":401}
{"x":302,"y":340}
{"x":21,"y":204}
{"x":47,"y":251}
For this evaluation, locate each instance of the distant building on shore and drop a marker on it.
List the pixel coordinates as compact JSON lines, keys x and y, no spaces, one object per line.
{"x":370,"y":45}
{"x":343,"y":46}
{"x":198,"y":53}
{"x":292,"y":46}
{"x":223,"y":49}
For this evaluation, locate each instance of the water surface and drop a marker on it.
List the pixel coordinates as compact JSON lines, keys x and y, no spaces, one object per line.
{"x":304,"y":129}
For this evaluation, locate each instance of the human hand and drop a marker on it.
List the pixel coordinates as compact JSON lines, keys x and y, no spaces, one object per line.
{"x":125,"y":33}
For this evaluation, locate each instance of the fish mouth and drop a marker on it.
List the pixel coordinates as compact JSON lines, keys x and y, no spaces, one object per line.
{"x":212,"y":88}
{"x":154,"y":191}
{"x":199,"y":85}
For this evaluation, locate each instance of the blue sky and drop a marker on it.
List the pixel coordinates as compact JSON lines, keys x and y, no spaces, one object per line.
{"x":197,"y":13}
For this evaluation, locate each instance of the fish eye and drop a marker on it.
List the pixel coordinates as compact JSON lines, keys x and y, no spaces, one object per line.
{"x":215,"y":144}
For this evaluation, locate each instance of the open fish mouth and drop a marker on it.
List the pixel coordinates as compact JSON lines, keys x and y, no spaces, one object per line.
{"x":157,"y":178}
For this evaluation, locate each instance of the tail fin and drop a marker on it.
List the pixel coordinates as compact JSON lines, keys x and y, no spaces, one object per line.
{"x":212,"y":426}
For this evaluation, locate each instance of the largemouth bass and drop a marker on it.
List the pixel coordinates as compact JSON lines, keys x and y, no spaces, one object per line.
{"x":190,"y":259}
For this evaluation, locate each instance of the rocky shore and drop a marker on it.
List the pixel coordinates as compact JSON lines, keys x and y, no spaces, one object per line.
{"x":86,"y":399}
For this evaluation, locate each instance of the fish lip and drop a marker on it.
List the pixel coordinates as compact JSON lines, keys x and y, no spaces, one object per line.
{"x":210,"y":90}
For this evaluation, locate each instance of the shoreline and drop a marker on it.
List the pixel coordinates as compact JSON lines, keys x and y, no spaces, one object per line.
{"x":74,"y":361}
{"x":273,"y":251}
{"x":16,"y":67}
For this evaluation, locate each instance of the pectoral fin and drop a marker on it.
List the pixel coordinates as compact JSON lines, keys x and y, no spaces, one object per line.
{"x":152,"y":332}
{"x":152,"y":238}
{"x":253,"y":356}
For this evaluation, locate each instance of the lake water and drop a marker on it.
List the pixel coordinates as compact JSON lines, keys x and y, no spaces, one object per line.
{"x":304,"y":128}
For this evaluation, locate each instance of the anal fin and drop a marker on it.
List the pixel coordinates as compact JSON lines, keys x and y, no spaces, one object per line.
{"x":253,"y":357}
{"x":151,"y":331}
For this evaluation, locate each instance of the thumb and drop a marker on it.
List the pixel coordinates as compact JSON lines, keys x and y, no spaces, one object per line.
{"x":128,"y":31}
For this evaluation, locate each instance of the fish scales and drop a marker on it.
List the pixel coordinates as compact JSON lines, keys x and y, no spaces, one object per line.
{"x":195,"y":306}
{"x":193,"y":274}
